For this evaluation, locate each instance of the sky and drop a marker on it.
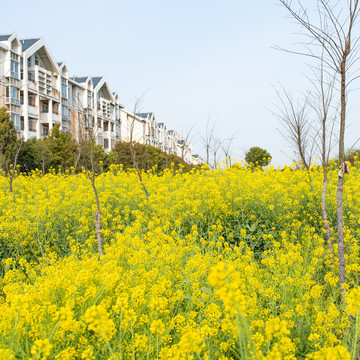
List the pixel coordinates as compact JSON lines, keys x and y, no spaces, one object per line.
{"x":196,"y":61}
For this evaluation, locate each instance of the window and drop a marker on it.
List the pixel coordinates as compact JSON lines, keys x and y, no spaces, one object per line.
{"x":106,"y":143}
{"x":31,"y":76}
{"x":89,"y":99}
{"x":32,"y":125}
{"x":65,"y":112}
{"x":90,"y":121}
{"x":106,"y":126}
{"x":14,"y":56}
{"x":44,"y":107}
{"x":55,"y":108}
{"x":112,"y":127}
{"x":45,"y":131}
{"x":16,"y":120}
{"x":21,"y":98}
{"x":22,"y":123}
{"x":13,"y":92}
{"x":31,"y":101}
{"x":36,"y":60}
{"x":29,"y":62}
{"x":14,"y":69}
{"x":63,"y":88}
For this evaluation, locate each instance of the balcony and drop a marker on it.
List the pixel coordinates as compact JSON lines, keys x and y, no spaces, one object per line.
{"x":56,"y":93}
{"x":32,"y":110}
{"x":13,"y":101}
{"x":45,"y":118}
{"x":56,"y":118}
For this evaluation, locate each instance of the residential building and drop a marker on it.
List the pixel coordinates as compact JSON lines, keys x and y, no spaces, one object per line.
{"x":38,"y":93}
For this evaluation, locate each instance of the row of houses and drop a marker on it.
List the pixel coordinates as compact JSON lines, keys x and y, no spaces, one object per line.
{"x":38,"y":92}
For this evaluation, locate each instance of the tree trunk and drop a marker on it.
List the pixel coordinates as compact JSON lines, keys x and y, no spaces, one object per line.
{"x":340,"y":186}
{"x":97,"y":219}
{"x":12,"y":173}
{"x":98,"y":213}
{"x":324,"y":214}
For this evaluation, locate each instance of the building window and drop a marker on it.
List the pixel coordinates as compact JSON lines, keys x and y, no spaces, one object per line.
{"x":55,"y":108}
{"x":90,"y":121}
{"x":31,"y":101}
{"x":31,"y":125}
{"x":16,"y":120}
{"x":44,"y":107}
{"x":89,"y":99}
{"x":112,"y":127}
{"x":31,"y":76}
{"x":65,"y":112}
{"x":22,"y":123}
{"x":106,"y":143}
{"x":106,"y":126}
{"x":45,"y":131}
{"x":13,"y":92}
{"x":14,"y":69}
{"x":63,"y":88}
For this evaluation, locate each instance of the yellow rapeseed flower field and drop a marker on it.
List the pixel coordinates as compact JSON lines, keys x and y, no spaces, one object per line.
{"x":225,"y":264}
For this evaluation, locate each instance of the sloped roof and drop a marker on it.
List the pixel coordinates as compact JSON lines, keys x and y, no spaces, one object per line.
{"x":4,"y":37}
{"x":145,"y":115}
{"x":80,"y":79}
{"x":60,"y":63}
{"x":27,"y":43}
{"x":96,"y":80}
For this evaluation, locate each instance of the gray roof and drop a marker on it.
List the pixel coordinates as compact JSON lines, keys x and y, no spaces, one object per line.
{"x":26,"y":43}
{"x":80,"y":79}
{"x":60,"y":63}
{"x":145,"y":115}
{"x":161,"y":124}
{"x":4,"y":37}
{"x":96,"y":80}
{"x":195,"y":156}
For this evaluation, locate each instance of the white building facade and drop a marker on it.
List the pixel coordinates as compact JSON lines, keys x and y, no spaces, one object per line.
{"x":38,"y":93}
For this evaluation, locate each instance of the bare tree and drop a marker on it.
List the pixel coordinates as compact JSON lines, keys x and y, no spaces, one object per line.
{"x":186,"y":137}
{"x":11,"y":168}
{"x":43,"y":151}
{"x":138,"y":102}
{"x":87,"y":141}
{"x":216,"y":145}
{"x":208,"y":139}
{"x":294,"y":117}
{"x":322,"y":104}
{"x":226,"y":147}
{"x":329,"y":39}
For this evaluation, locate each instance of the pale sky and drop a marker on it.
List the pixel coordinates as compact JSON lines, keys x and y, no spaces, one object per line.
{"x":195,"y":58}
